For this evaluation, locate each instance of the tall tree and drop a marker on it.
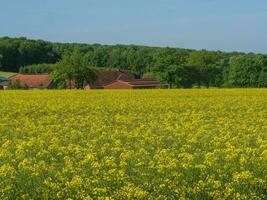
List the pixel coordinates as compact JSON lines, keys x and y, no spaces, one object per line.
{"x":245,"y":70}
{"x":99,"y":57}
{"x":72,"y":68}
{"x":205,"y":63}
{"x":139,"y":60}
{"x":1,"y":57}
{"x":262,"y":82}
{"x":167,"y":62}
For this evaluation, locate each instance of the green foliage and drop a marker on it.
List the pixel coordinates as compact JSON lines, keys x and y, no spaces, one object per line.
{"x":247,"y":71}
{"x":206,"y":66}
{"x":168,"y":64}
{"x":174,"y":66}
{"x":37,"y":69}
{"x":19,"y":52}
{"x":17,"y":85}
{"x":148,"y":75}
{"x":1,"y":58}
{"x":262,"y":82}
{"x":72,"y":68}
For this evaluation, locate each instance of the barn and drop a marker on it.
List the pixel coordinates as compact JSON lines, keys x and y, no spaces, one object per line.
{"x":106,"y":77}
{"x":121,"y":79}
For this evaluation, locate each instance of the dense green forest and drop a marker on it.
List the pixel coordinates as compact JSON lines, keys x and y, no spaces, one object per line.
{"x":177,"y":67}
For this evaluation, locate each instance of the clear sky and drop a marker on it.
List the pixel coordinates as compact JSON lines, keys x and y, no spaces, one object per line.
{"x":230,"y":25}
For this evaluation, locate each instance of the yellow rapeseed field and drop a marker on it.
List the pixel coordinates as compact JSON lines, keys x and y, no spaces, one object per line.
{"x":147,"y":144}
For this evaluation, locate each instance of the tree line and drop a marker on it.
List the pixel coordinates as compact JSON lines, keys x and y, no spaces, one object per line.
{"x":178,"y":67}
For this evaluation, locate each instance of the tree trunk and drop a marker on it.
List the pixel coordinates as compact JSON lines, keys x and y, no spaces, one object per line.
{"x":70,"y":84}
{"x":198,"y":83}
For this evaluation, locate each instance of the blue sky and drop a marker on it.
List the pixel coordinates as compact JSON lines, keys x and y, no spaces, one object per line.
{"x":229,"y":25}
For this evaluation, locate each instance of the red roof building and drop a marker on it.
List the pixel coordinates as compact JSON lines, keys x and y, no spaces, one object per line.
{"x":122,"y":80}
{"x":106,"y":77}
{"x":33,"y":81}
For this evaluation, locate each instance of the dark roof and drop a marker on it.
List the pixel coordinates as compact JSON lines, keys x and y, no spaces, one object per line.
{"x":2,"y":79}
{"x":33,"y":80}
{"x":106,"y":77}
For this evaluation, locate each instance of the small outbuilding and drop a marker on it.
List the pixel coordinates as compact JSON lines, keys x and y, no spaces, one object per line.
{"x":3,"y":83}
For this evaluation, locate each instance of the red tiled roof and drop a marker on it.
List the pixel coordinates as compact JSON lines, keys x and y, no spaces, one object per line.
{"x":33,"y":80}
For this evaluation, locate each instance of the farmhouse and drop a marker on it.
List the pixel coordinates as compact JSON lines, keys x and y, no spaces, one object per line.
{"x":121,"y":79}
{"x":32,"y":81}
{"x":107,"y":79}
